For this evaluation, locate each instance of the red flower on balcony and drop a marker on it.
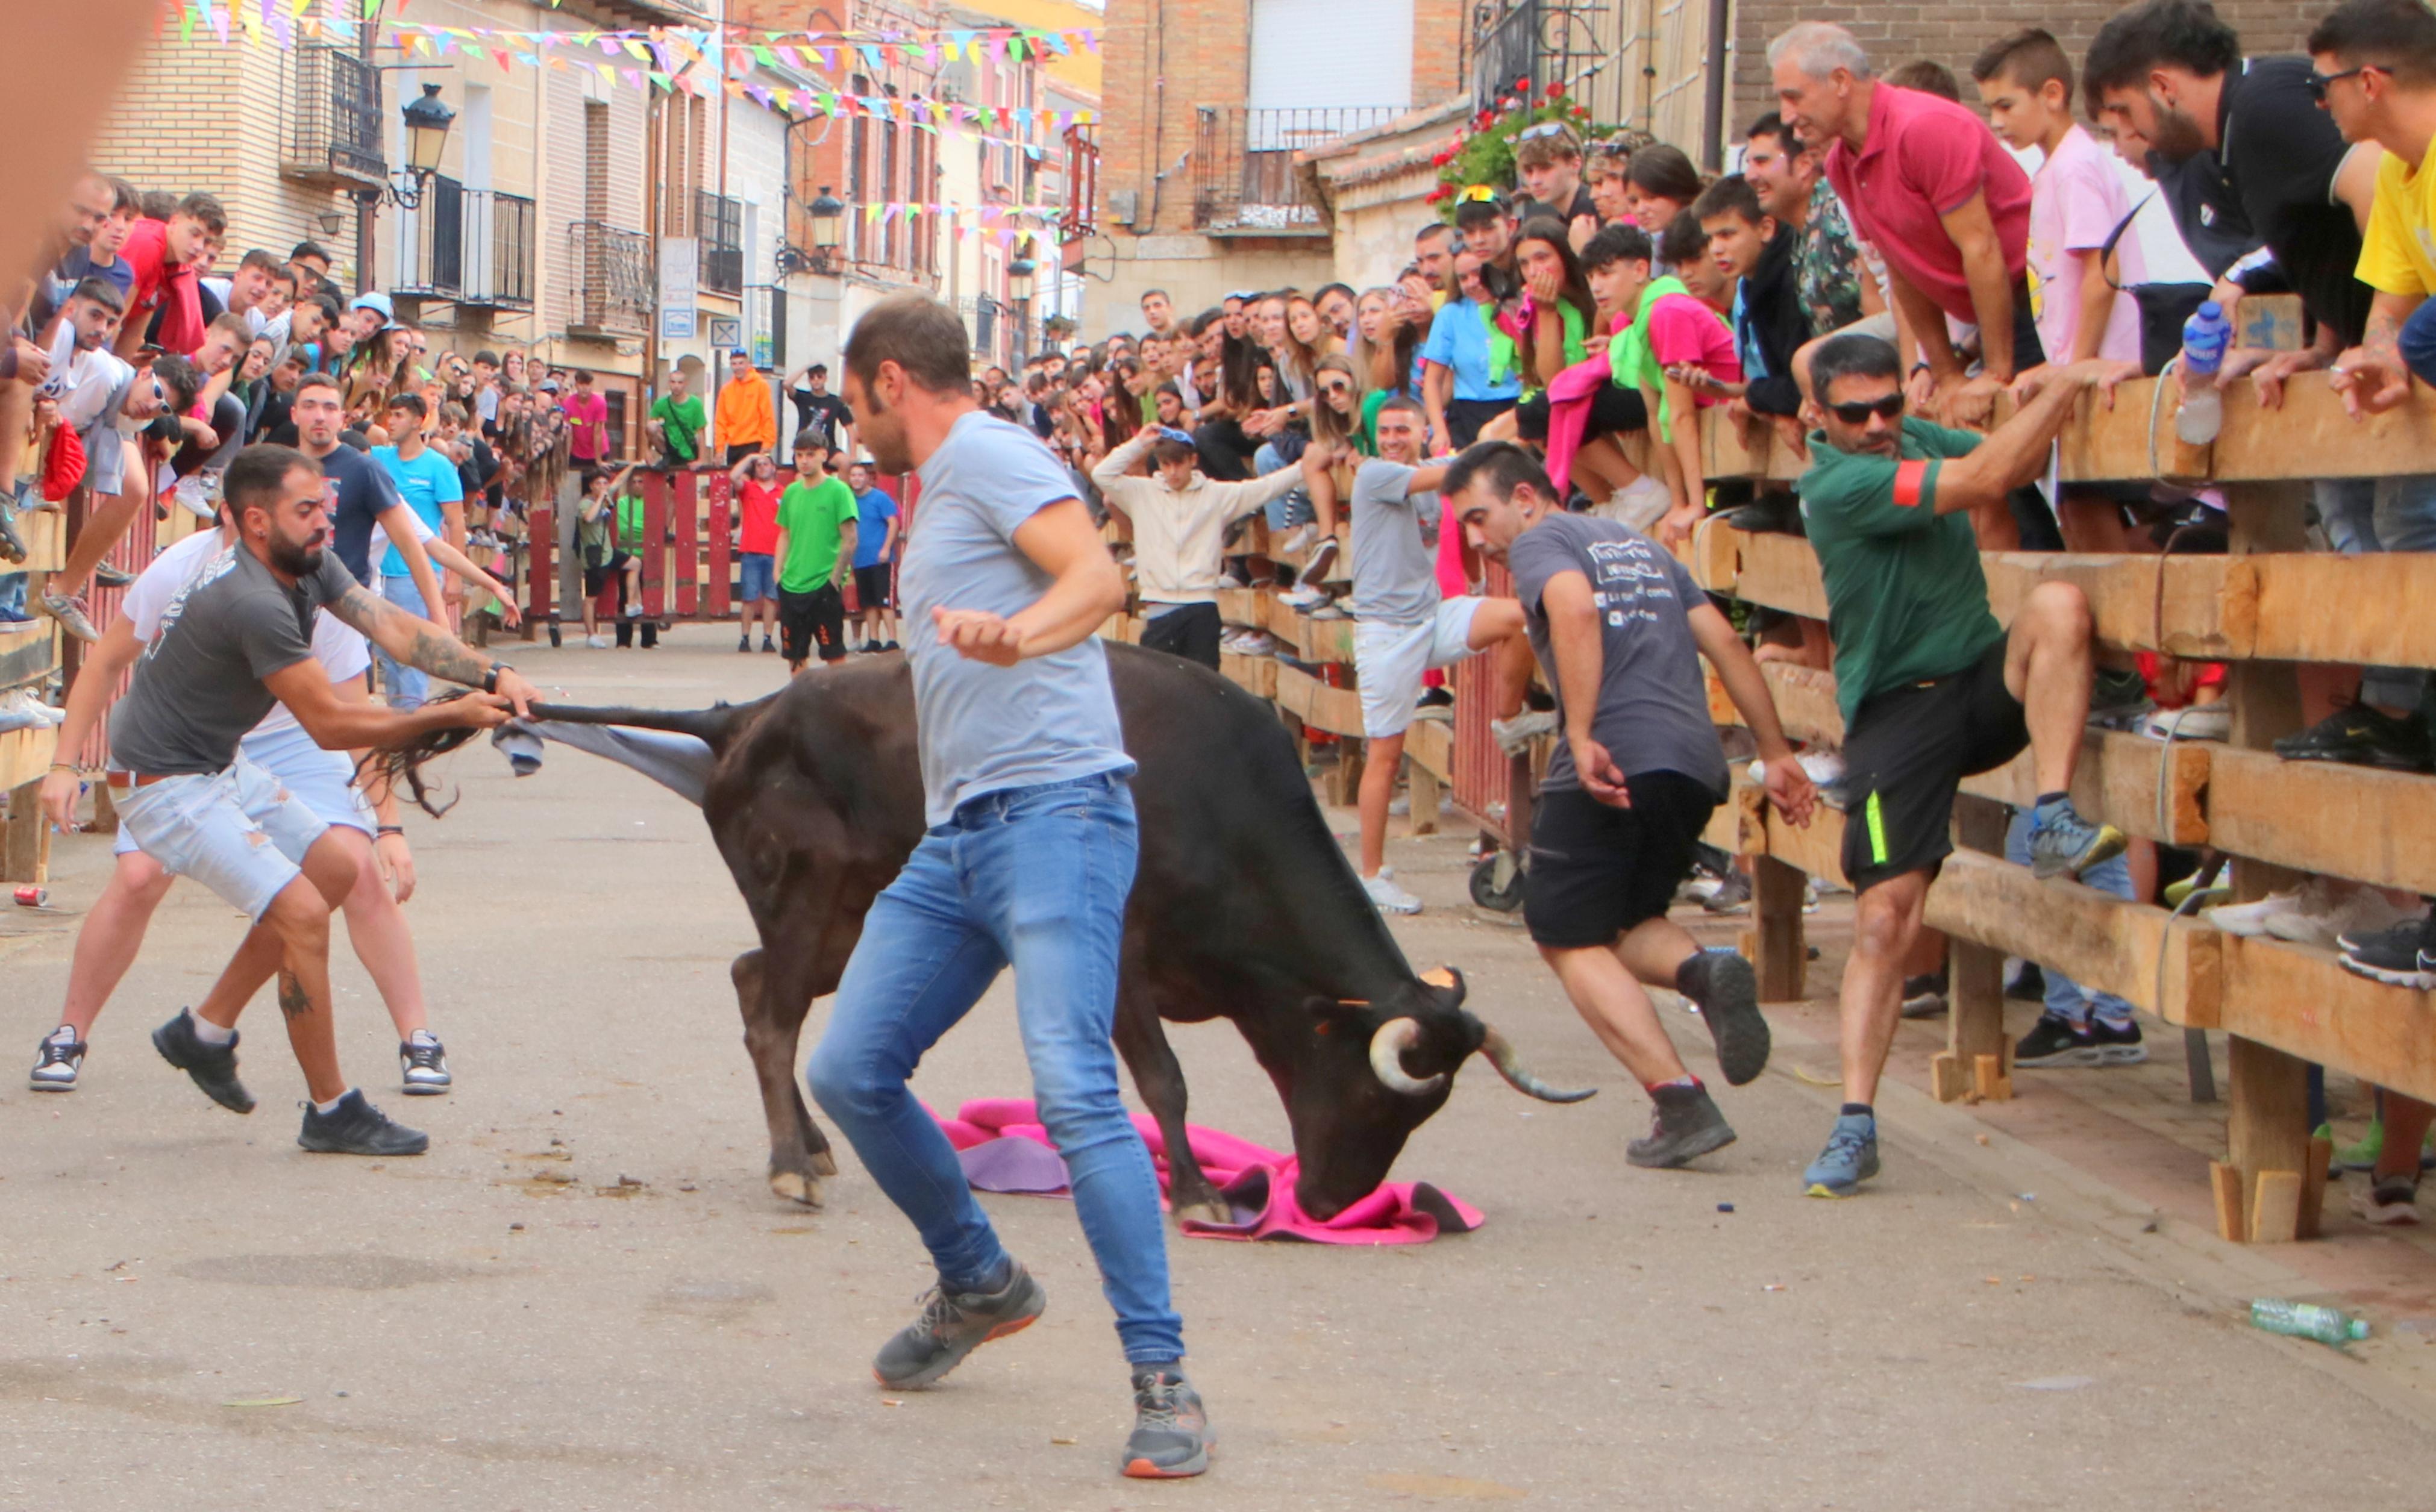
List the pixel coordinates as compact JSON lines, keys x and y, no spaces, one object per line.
{"x":1523,"y":83}
{"x":1555,"y":90}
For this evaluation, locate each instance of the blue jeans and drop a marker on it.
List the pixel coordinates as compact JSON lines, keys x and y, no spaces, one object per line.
{"x":407,"y":687}
{"x":2066,"y":998}
{"x":1035,"y":877}
{"x":12,"y":596}
{"x":2365,"y":514}
{"x":1286,"y":511}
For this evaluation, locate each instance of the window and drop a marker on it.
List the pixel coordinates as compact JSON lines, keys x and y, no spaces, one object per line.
{"x":720,"y":223}
{"x":889,"y":132}
{"x":596,"y":160}
{"x":854,"y":182}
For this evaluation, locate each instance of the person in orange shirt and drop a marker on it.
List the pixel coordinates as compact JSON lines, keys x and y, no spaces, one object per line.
{"x":745,"y":422}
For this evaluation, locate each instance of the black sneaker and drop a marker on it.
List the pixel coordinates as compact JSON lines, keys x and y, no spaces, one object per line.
{"x":1776,"y":514}
{"x":744,"y":642}
{"x":1726,"y":991}
{"x":2117,"y":1045}
{"x":767,"y":644}
{"x":110,"y":577}
{"x":2360,"y":735}
{"x":2389,"y":1201}
{"x":1924,"y":997}
{"x":2398,"y":956}
{"x":2029,"y":985}
{"x":2052,"y":1044}
{"x":892,"y":646}
{"x":1171,"y":1438}
{"x":2117,"y":699}
{"x":423,"y":1063}
{"x":1433,"y":698}
{"x":56,"y":1063}
{"x":1731,"y":895}
{"x":357,"y":1127}
{"x":1685,"y":1124}
{"x":213,"y":1066}
{"x":953,"y":1325}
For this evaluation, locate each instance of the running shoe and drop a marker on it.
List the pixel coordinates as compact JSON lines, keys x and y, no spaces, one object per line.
{"x":767,"y":644}
{"x":1729,"y":893}
{"x":1850,"y":1157}
{"x":1924,"y":997}
{"x":2029,"y":984}
{"x":110,"y":577}
{"x":212,"y":1066}
{"x":56,"y":1063}
{"x":13,"y":546}
{"x":744,"y":642}
{"x":1436,"y":698}
{"x":424,"y":1063}
{"x":2398,"y":957}
{"x":1515,"y":736}
{"x":952,"y":1325}
{"x":2053,"y":1043}
{"x":70,"y":615}
{"x":2360,"y":735}
{"x":2198,"y":721}
{"x":1387,"y":895}
{"x":1684,"y":1124}
{"x":2118,"y":698}
{"x":2388,"y":1201}
{"x":1171,"y":1438}
{"x":2062,"y":844}
{"x":2251,"y":919}
{"x":2117,"y":1044}
{"x":2339,"y":911}
{"x":1726,"y":991}
{"x":1321,"y":562}
{"x":357,"y":1127}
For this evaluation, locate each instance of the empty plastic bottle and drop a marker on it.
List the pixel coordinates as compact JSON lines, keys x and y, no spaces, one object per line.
{"x":2304,"y":1320}
{"x":2205,"y":336}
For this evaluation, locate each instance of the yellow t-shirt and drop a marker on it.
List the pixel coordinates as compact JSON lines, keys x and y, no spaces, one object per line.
{"x":2399,"y":252}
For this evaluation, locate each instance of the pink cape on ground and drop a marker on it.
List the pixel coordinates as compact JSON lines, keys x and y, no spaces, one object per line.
{"x":1004,"y":1148}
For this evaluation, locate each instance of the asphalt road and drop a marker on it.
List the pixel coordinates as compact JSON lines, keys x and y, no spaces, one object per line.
{"x":585,"y":1296}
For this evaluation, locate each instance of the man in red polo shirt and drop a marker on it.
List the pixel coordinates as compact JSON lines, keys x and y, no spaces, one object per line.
{"x":164,"y":255}
{"x":1930,"y":186}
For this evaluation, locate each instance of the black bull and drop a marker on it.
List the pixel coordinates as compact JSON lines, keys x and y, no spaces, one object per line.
{"x":1244,"y":908}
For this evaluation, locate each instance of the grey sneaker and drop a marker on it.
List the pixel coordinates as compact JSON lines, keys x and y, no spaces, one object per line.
{"x":213,"y":1066}
{"x":1850,"y":1157}
{"x":70,"y":613}
{"x":2064,"y":843}
{"x":423,"y":1062}
{"x":1171,"y":1438}
{"x":1723,"y":983}
{"x":56,"y":1063}
{"x":953,"y":1325}
{"x":357,"y":1127}
{"x":1685,"y":1124}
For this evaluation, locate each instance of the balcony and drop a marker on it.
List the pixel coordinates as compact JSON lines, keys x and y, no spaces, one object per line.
{"x":612,"y":294}
{"x":472,"y":247}
{"x":1243,"y":181}
{"x":334,"y":137}
{"x":719,"y":223}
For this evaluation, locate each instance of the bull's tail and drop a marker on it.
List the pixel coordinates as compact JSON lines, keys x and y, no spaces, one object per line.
{"x":679,"y":756}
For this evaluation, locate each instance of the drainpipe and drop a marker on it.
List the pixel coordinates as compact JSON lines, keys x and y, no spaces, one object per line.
{"x":1712,"y":109}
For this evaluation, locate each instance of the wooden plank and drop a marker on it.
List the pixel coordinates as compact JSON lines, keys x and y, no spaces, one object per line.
{"x":26,"y":844}
{"x":1779,"y":571}
{"x":1245,"y":606}
{"x":26,"y":755}
{"x":2311,"y":437}
{"x":2268,"y":1129}
{"x":2276,"y":1207}
{"x":2173,"y":968}
{"x":2360,"y":822}
{"x":1337,"y":710}
{"x":2133,"y":440}
{"x":1424,"y":790}
{"x":2118,"y":778}
{"x":1254,"y":674}
{"x":1730,"y":450}
{"x":2224,"y":1181}
{"x":1429,"y":745}
{"x":2299,"y":1000}
{"x":1780,"y":952}
{"x":29,"y":652}
{"x":1309,"y":640}
{"x":2313,"y":1186}
{"x":1817,"y":851}
{"x":1975,"y":1018}
{"x":2326,"y":607}
{"x":45,"y":534}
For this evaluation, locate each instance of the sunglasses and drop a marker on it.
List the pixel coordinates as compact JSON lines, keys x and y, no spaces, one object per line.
{"x":2319,"y":83}
{"x":1532,"y":133}
{"x":1336,"y":387}
{"x":1858,"y":414}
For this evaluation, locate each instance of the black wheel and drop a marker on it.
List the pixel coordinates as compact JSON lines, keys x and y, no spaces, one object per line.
{"x":1486,"y":891}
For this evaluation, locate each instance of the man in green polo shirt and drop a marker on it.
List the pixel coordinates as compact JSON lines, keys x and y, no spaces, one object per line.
{"x":1931,"y":686}
{"x":676,"y":423}
{"x":816,"y":539}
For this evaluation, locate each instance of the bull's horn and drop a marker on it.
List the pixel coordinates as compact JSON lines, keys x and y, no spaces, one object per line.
{"x":1501,"y":1054}
{"x":1388,"y":1049}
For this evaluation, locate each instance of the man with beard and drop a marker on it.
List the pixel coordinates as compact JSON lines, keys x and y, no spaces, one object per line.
{"x":232,"y":644}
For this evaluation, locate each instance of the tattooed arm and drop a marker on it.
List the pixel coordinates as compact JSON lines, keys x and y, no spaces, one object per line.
{"x":420,"y":643}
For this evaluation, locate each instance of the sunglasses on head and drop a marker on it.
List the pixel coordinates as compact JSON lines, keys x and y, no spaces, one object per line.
{"x":1858,"y":414}
{"x":1532,"y":133}
{"x":2319,"y":83}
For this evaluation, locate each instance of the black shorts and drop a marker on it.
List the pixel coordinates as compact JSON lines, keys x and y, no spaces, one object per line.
{"x":1466,"y":416}
{"x":871,"y":586}
{"x":1190,"y":632}
{"x":1907,"y":751}
{"x":597,"y":578}
{"x":812,"y":620}
{"x":1611,"y":409}
{"x":1597,"y":872}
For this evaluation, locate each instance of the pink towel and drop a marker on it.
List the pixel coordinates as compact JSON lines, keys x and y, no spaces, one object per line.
{"x":1568,"y":413}
{"x":1004,"y":1148}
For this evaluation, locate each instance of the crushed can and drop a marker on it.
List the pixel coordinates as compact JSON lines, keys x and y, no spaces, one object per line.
{"x":34,"y":898}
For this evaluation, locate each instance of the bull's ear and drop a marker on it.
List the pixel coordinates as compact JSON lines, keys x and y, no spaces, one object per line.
{"x":1448,"y":979}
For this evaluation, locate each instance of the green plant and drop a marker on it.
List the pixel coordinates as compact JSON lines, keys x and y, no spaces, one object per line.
{"x":1482,"y":153}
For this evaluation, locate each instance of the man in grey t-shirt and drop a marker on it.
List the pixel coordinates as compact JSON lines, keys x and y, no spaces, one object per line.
{"x":235,"y":641}
{"x":1403,"y":626}
{"x":1621,"y":628}
{"x":1027,"y":861}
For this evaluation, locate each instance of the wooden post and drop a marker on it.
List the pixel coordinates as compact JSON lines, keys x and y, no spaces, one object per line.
{"x":1778,"y":951}
{"x":25,"y":854}
{"x":1978,"y":1059}
{"x":2268,"y":1133}
{"x":1424,"y":790}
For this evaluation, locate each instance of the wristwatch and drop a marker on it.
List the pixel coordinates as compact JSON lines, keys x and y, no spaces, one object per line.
{"x":491,"y":678}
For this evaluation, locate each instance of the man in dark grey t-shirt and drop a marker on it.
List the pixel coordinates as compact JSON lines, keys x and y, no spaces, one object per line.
{"x":235,"y":641}
{"x":1621,"y":628}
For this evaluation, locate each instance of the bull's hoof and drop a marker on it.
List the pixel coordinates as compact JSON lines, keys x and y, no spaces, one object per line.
{"x":824,"y":1163}
{"x":797,"y":1188}
{"x":1209,"y":1210}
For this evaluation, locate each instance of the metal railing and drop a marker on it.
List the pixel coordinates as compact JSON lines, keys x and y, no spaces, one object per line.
{"x":720,"y":224}
{"x":613,"y":278}
{"x":1082,"y":187}
{"x":333,"y":134}
{"x":1243,"y":162}
{"x":470,"y":246}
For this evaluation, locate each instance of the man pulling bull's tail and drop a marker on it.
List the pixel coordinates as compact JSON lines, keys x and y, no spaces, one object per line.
{"x":1027,"y":861}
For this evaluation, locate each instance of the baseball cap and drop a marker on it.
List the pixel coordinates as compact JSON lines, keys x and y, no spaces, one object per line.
{"x":376,"y":300}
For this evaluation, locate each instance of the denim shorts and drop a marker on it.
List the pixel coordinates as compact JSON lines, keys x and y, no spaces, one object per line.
{"x":240,"y":832}
{"x":757,"y":576}
{"x":323,"y":779}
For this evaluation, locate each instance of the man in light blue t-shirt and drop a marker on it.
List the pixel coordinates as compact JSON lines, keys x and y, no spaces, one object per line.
{"x":1028,"y":861}
{"x":431,"y":485}
{"x":875,"y":557}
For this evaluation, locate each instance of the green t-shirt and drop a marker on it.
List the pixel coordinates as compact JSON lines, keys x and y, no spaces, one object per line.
{"x":813,"y":516}
{"x":681,"y":421}
{"x":630,"y":522}
{"x":1905,"y":599}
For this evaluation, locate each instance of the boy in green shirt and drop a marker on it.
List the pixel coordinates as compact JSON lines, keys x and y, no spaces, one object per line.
{"x":816,"y":541}
{"x":676,"y":423}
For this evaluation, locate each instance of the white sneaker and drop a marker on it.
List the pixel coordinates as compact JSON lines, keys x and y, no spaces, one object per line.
{"x":596,"y":642}
{"x":1514,"y":736}
{"x":2199,"y":722}
{"x":1229,"y":579}
{"x":2355,"y":911}
{"x":1640,"y":503}
{"x":2250,"y":920}
{"x":1387,"y":895}
{"x":1305,"y":597}
{"x":1258,"y":643}
{"x":1399,"y":807}
{"x":1295,"y":540}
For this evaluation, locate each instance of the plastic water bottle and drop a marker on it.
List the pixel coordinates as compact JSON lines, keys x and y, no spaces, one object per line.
{"x":2304,"y":1320}
{"x":2205,"y":336}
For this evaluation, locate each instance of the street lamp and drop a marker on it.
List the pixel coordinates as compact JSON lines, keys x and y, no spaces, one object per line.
{"x":828,"y":218}
{"x":1018,"y":288}
{"x":427,"y":119}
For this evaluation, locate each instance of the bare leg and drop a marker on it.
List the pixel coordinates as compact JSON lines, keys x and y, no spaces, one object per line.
{"x":108,"y":520}
{"x":1611,"y":1000}
{"x":113,"y":931}
{"x":2047,"y":667}
{"x":2406,"y":1130}
{"x":1655,"y":950}
{"x":1382,"y":757}
{"x":376,"y":928}
{"x":1884,"y":922}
